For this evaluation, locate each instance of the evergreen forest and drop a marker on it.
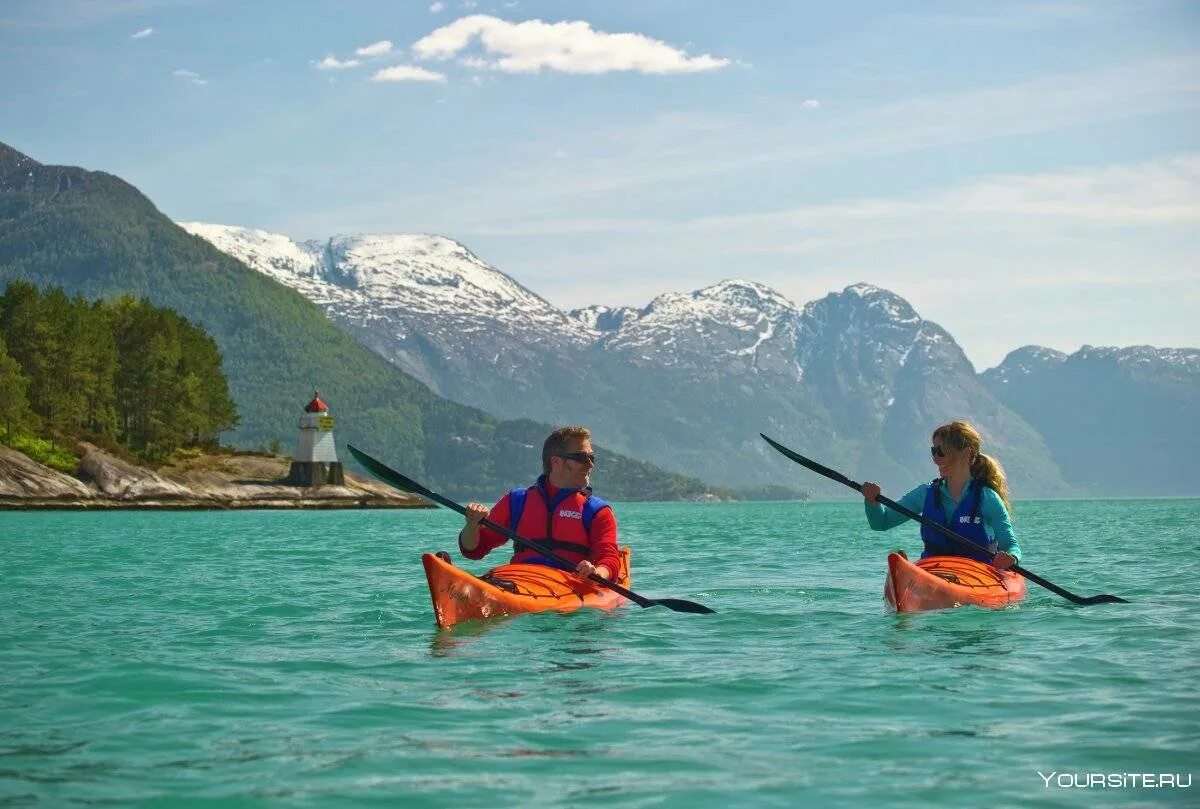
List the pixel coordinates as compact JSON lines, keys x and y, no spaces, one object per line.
{"x":124,"y":372}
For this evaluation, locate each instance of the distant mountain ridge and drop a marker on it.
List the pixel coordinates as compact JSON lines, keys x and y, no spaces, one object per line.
{"x":95,"y":235}
{"x":857,"y":378}
{"x":1119,"y":419}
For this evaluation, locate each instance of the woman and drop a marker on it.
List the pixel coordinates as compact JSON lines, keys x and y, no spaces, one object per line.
{"x":969,"y":496}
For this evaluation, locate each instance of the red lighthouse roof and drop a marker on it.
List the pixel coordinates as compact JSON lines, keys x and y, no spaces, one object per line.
{"x":316,"y":405}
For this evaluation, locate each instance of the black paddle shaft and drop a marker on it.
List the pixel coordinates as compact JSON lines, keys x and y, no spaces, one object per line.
{"x":912,"y":515}
{"x":399,"y":481}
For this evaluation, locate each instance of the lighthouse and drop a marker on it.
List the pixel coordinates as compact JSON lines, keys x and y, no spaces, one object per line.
{"x":316,"y":461}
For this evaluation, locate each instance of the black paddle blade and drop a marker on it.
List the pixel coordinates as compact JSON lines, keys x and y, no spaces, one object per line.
{"x":387,"y":475}
{"x":680,"y":605}
{"x":809,"y":463}
{"x":1103,"y":599}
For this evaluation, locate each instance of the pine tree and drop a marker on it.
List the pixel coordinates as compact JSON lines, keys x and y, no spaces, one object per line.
{"x":15,"y":414}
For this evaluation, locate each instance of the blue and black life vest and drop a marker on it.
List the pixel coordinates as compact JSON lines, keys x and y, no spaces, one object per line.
{"x":965,"y":522}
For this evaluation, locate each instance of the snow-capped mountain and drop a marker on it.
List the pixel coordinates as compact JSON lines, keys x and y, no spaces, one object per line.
{"x":751,"y":327}
{"x":687,"y":381}
{"x":431,"y":307}
{"x":1021,"y":363}
{"x":884,"y":371}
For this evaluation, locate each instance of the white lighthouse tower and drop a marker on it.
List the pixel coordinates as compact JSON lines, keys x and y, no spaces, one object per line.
{"x":316,"y":461}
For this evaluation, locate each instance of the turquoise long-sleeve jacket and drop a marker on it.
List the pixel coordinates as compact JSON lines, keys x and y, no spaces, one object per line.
{"x":996,"y":521}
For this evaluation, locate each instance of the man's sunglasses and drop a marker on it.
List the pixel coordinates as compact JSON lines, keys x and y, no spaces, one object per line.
{"x":580,"y":457}
{"x":937,"y":452}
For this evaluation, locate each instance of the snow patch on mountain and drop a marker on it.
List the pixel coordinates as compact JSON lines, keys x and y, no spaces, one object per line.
{"x":1184,"y":359}
{"x":1022,"y":362}
{"x":604,"y":318}
{"x":735,"y":318}
{"x":394,"y":278}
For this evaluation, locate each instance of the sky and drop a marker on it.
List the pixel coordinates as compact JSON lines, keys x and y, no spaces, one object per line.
{"x":1021,"y":172}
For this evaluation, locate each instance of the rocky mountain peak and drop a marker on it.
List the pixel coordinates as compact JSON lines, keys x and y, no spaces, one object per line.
{"x":1022,"y":362}
{"x":604,"y":319}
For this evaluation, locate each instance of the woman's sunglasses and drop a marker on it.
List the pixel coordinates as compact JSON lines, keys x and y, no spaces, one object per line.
{"x":937,"y":452}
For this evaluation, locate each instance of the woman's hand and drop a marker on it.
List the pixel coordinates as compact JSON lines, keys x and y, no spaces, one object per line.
{"x":870,"y":491}
{"x":1003,"y":560}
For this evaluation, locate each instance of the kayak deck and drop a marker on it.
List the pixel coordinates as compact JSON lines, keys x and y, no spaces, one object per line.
{"x":940,"y":582}
{"x":513,"y":589}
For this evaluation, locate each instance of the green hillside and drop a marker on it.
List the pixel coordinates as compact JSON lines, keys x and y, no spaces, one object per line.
{"x":95,"y":235}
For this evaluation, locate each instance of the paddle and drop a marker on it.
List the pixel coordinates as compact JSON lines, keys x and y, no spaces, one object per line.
{"x":912,"y":515}
{"x":399,"y":481}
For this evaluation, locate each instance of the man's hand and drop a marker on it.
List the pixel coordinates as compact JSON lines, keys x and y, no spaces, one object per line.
{"x":870,"y":491}
{"x":475,"y":513}
{"x":586,"y":568}
{"x":1003,"y":560}
{"x":468,"y":537}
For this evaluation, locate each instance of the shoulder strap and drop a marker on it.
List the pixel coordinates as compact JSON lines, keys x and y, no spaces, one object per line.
{"x":516,"y":507}
{"x":977,"y":487}
{"x":590,"y":508}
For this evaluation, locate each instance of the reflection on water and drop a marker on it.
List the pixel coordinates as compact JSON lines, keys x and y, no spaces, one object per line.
{"x":944,"y":633}
{"x":459,"y":640}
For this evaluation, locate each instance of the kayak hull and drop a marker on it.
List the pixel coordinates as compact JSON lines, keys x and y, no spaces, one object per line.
{"x":941,"y":582}
{"x":460,"y":596}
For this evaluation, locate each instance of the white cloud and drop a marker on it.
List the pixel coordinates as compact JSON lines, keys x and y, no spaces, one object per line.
{"x":191,"y":75}
{"x":145,"y":32}
{"x":330,"y":63}
{"x":437,"y":7}
{"x":810,"y":103}
{"x":407,"y":73}
{"x":567,"y":47}
{"x":380,"y":48}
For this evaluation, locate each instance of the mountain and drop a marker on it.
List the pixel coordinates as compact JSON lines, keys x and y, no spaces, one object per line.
{"x":885,"y":373}
{"x":688,"y":381}
{"x":95,"y":235}
{"x":434,"y":310}
{"x":1121,"y":420}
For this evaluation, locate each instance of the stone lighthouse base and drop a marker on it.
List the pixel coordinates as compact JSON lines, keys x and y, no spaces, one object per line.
{"x":316,"y":473}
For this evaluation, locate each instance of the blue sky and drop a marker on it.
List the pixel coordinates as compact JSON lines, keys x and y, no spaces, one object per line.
{"x":1021,"y":172}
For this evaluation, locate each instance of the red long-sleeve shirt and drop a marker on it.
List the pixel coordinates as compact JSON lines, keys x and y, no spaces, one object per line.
{"x":602,"y":537}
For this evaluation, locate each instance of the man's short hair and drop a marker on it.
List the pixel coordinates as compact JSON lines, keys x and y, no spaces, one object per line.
{"x":557,"y":443}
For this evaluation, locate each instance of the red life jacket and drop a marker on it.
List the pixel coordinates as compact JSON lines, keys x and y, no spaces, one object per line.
{"x":561,"y":523}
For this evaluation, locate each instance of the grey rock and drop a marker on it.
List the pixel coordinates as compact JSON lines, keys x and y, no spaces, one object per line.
{"x":124,"y":481}
{"x":22,"y":477}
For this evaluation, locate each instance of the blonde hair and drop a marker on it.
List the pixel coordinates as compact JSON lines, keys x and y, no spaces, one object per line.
{"x":556,"y":443}
{"x":963,"y":435}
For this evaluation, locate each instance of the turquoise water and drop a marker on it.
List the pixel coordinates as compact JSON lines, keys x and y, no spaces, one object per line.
{"x":290,"y":659}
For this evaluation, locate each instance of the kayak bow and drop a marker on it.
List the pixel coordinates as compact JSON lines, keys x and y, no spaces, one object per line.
{"x":939,"y":582}
{"x":513,"y":589}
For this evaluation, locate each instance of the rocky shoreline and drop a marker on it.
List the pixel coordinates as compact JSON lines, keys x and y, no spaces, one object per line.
{"x":103,"y":481}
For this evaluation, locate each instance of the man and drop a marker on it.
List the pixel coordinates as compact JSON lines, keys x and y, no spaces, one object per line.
{"x":558,"y":512}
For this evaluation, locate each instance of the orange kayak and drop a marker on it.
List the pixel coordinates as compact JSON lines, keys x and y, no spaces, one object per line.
{"x":512,"y":590}
{"x":948,"y":581}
